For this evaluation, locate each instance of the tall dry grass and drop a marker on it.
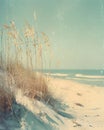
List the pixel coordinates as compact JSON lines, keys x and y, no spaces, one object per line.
{"x":21,"y":53}
{"x":31,"y":84}
{"x":27,"y":46}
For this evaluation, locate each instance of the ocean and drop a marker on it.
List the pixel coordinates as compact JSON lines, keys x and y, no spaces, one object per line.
{"x":90,"y":77}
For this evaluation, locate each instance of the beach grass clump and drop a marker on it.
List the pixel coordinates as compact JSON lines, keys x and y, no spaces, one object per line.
{"x":32,"y":84}
{"x":22,"y":52}
{"x":16,"y":77}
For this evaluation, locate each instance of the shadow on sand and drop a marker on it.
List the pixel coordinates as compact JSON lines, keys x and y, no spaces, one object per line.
{"x":22,"y":119}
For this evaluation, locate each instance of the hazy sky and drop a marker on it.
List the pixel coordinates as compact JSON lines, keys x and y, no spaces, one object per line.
{"x":75,"y":28}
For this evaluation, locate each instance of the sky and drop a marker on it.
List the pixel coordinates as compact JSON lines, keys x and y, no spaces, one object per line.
{"x":75,"y":28}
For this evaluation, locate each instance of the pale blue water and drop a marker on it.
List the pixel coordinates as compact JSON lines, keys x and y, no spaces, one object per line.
{"x":91,"y":77}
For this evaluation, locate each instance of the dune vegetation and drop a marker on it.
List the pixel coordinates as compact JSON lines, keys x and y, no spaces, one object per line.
{"x":22,"y":53}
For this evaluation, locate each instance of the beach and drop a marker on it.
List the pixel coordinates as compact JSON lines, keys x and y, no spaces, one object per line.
{"x":69,"y":105}
{"x":51,"y":65}
{"x":85,"y":104}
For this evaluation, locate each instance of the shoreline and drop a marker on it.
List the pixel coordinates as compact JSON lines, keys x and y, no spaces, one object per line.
{"x":85,"y":103}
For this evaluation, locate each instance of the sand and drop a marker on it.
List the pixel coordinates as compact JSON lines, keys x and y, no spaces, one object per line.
{"x":85,"y":104}
{"x":85,"y":109}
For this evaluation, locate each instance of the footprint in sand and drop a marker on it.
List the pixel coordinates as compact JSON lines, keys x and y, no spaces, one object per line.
{"x":86,"y":115}
{"x":79,"y":94}
{"x":79,"y":104}
{"x":90,"y":126}
{"x":97,"y":115}
{"x":76,"y":124}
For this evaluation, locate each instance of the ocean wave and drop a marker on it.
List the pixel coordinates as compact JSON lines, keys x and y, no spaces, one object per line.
{"x":57,"y":74}
{"x":89,"y":76}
